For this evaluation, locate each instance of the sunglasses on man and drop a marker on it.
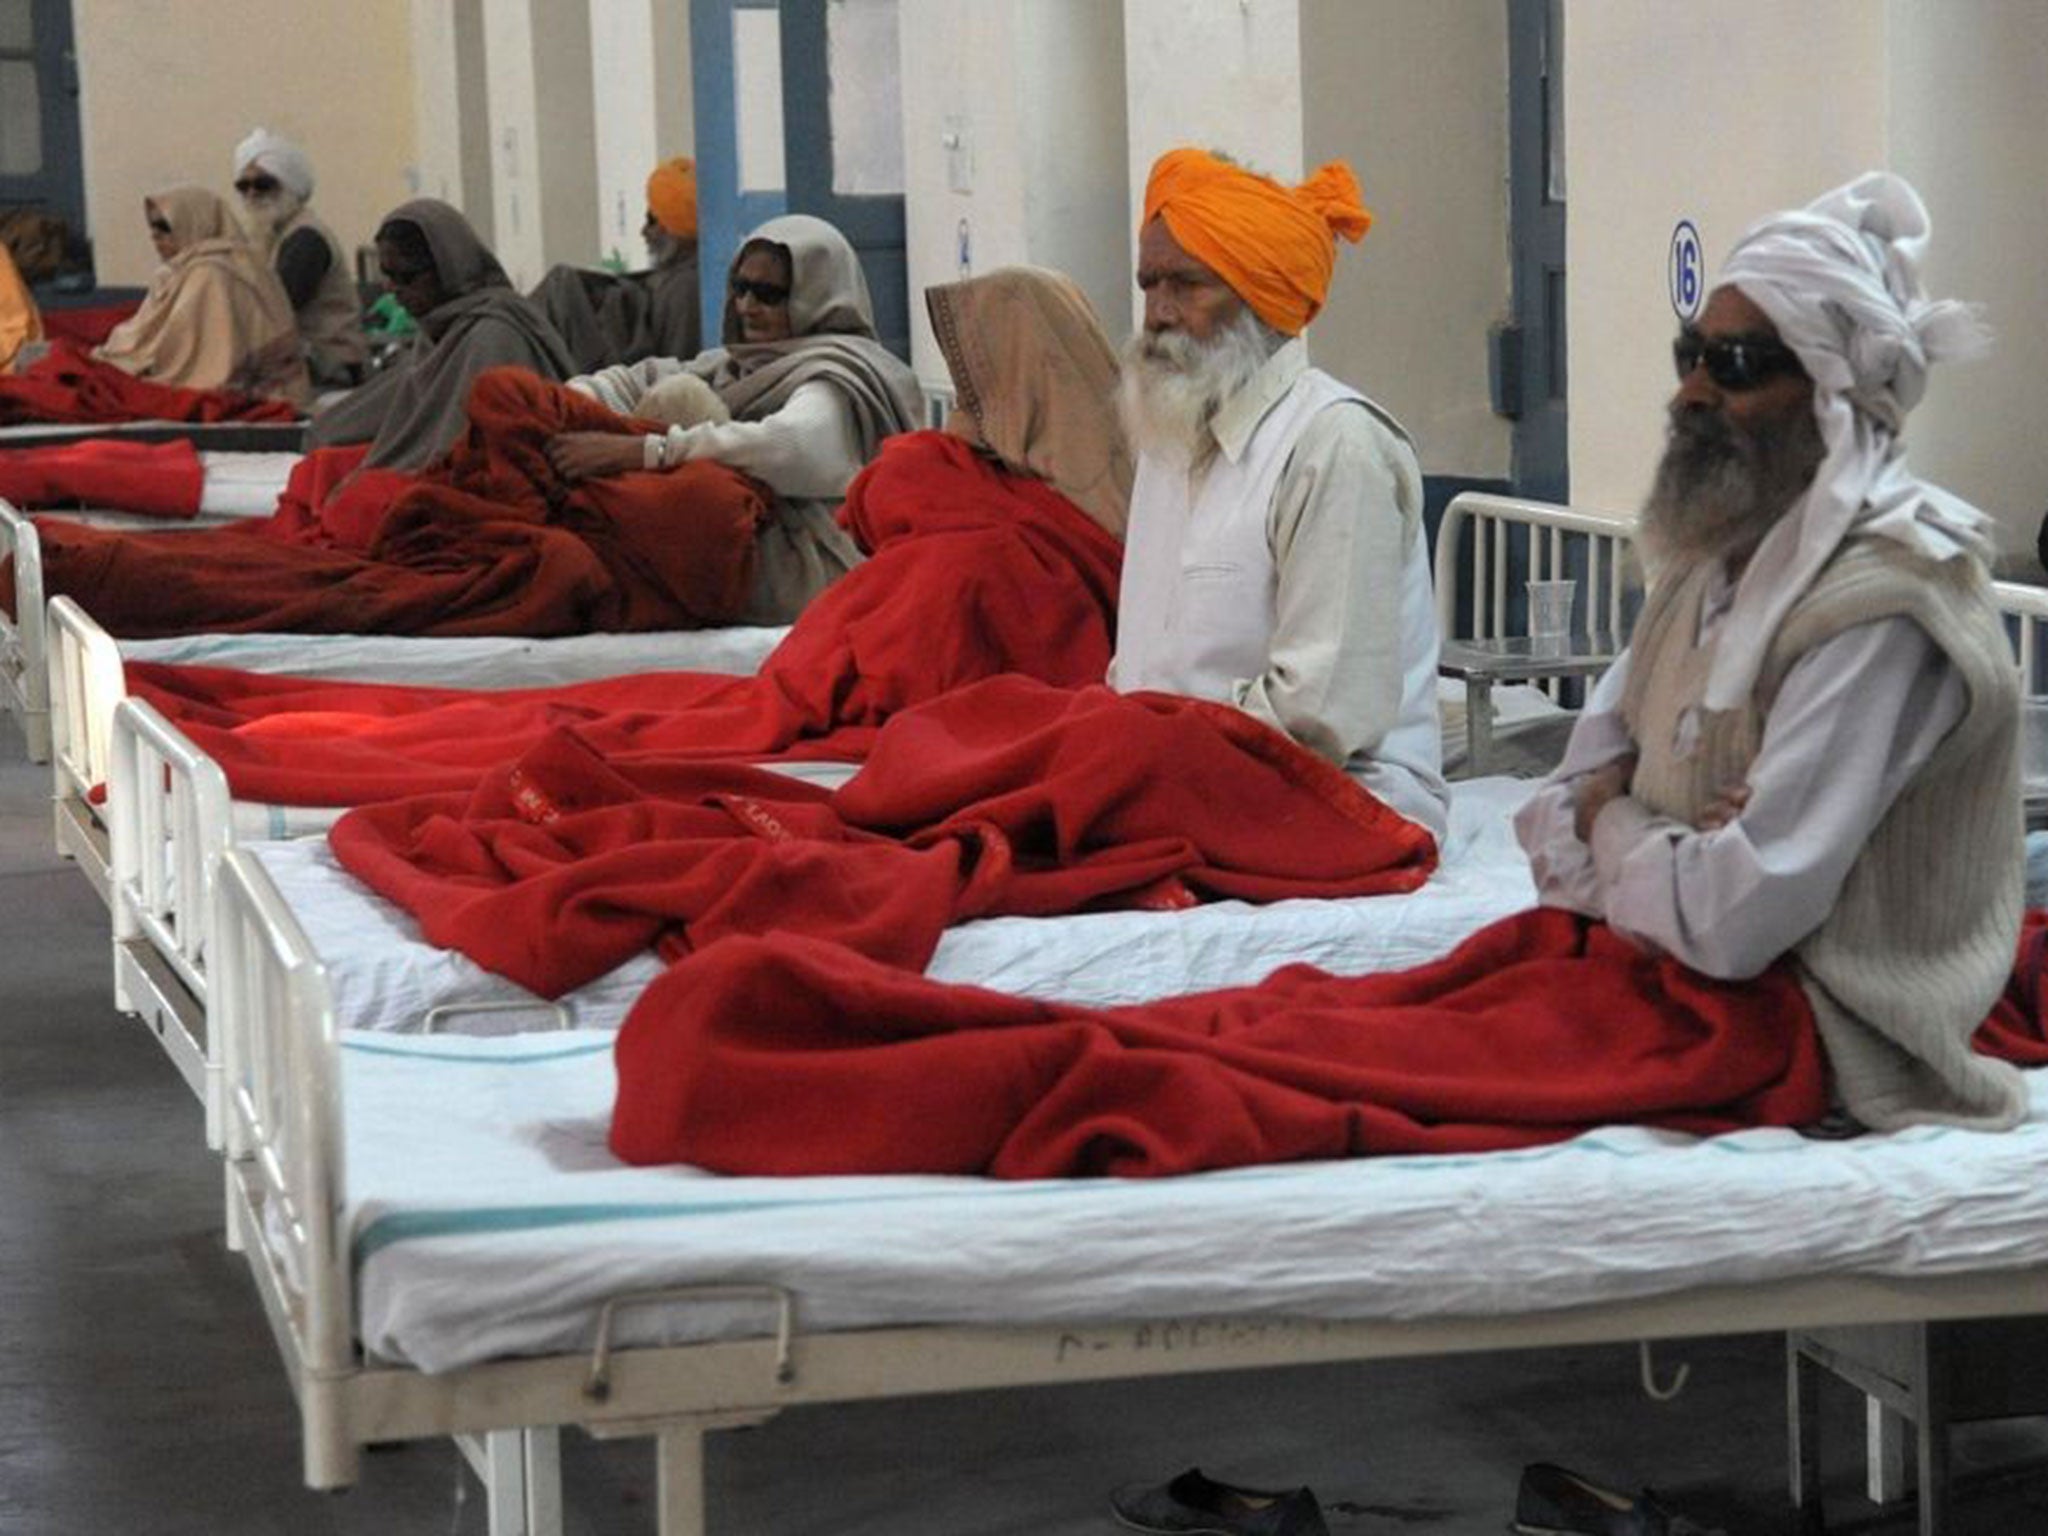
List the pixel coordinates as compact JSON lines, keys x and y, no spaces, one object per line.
{"x":774,"y":295}
{"x":256,"y":186}
{"x":1736,"y":363}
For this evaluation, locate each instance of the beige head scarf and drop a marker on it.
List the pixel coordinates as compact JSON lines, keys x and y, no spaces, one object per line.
{"x":832,"y":324}
{"x":1841,"y":281}
{"x":1033,"y":369}
{"x":215,"y":317}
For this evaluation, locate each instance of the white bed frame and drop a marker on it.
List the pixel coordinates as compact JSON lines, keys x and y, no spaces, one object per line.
{"x":1548,"y":542}
{"x":286,"y":1184}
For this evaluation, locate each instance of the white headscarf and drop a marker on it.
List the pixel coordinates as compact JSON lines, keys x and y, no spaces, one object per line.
{"x":1841,"y":281}
{"x":279,"y":156}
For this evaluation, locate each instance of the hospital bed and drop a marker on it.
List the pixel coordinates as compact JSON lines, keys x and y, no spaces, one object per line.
{"x":379,"y":1348}
{"x":237,"y":485}
{"x":443,"y":1244}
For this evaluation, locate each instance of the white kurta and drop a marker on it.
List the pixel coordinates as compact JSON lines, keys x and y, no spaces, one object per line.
{"x":1288,"y":576}
{"x":1854,"y":721}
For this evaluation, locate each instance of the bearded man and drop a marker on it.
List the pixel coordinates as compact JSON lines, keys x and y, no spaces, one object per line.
{"x":1275,"y":557}
{"x":1810,"y":745}
{"x":274,"y":179}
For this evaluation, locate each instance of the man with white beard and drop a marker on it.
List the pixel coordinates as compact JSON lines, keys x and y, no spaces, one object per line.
{"x":274,"y":179}
{"x":1275,"y":557}
{"x":1810,"y":744}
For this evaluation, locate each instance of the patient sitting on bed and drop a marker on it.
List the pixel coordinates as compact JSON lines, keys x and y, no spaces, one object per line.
{"x":1810,"y":742}
{"x":800,"y":397}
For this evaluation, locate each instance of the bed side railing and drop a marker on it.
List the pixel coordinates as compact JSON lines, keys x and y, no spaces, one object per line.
{"x":2025,"y":609}
{"x":1488,"y":545}
{"x":24,"y":674}
{"x":85,"y":682}
{"x":169,"y":821}
{"x":273,"y":1016}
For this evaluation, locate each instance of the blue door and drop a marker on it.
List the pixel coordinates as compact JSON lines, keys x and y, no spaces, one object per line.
{"x":797,"y":43}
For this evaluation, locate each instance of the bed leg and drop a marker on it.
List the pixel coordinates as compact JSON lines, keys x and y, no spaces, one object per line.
{"x":521,"y":1470}
{"x":1802,"y":1421}
{"x":1932,"y":1433}
{"x":679,"y":1456}
{"x":1884,"y":1452}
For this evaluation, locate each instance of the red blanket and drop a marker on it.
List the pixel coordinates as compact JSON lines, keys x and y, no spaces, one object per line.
{"x":68,"y":386}
{"x":1007,"y":796}
{"x":2017,"y":1030}
{"x":975,"y":571}
{"x":489,"y":543}
{"x":163,"y":479}
{"x":783,"y":1055}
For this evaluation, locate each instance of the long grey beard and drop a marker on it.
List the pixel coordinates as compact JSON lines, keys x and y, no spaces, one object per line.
{"x":1172,"y":385}
{"x":266,"y":217}
{"x":1719,"y":489}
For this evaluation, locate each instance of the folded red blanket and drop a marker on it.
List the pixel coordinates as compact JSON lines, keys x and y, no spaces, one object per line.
{"x":974,"y":571}
{"x":2017,"y":1030}
{"x":787,"y":1055}
{"x":66,"y":385}
{"x":161,"y":479}
{"x":1007,"y":796}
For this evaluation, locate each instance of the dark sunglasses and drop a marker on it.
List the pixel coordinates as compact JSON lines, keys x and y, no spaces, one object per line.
{"x":159,"y":226}
{"x":1735,"y":363}
{"x":398,"y":277}
{"x":774,"y":295}
{"x":249,"y":186}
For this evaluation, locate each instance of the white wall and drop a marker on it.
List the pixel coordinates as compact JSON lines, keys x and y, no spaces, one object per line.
{"x":1031,"y":93}
{"x":1218,"y":74}
{"x":167,"y":88}
{"x":1719,"y":114}
{"x":452,"y":154}
{"x":1413,"y":95}
{"x":1967,"y":130}
{"x":640,"y":69}
{"x":543,"y":134}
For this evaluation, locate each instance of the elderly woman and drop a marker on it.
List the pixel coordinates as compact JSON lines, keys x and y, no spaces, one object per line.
{"x":214,"y":317}
{"x":471,"y":318}
{"x":274,"y":179}
{"x":809,"y":391}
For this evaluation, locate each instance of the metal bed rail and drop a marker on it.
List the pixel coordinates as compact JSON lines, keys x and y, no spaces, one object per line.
{"x":85,"y":683}
{"x":2025,"y":609}
{"x":1485,"y":538}
{"x":168,"y":823}
{"x":24,"y":673}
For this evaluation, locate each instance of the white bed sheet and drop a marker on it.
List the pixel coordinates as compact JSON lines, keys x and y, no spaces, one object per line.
{"x":471,"y":661}
{"x":488,"y":1219}
{"x":385,"y":977}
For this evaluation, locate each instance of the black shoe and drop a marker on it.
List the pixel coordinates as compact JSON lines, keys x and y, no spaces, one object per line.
{"x":1554,"y":1502}
{"x":1193,"y":1505}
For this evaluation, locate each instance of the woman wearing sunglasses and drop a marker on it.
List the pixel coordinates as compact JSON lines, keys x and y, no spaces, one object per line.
{"x":215,"y":317}
{"x":274,"y":180}
{"x":809,"y":391}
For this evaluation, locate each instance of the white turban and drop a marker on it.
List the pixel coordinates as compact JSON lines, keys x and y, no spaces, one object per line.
{"x":281,"y":157}
{"x":1841,"y":281}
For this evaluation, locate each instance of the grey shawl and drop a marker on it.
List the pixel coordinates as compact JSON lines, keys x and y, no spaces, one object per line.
{"x":413,"y":411}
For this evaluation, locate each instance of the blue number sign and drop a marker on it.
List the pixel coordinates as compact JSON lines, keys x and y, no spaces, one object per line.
{"x":1687,"y":274}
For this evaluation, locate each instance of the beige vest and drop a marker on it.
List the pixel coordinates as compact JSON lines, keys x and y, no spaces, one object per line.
{"x":1922,"y":935}
{"x":331,"y":324}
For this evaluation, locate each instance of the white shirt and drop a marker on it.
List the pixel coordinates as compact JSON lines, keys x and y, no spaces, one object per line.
{"x":1341,"y":597}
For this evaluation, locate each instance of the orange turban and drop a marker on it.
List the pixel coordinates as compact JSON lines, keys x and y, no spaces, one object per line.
{"x":1276,"y":246}
{"x":672,"y":197}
